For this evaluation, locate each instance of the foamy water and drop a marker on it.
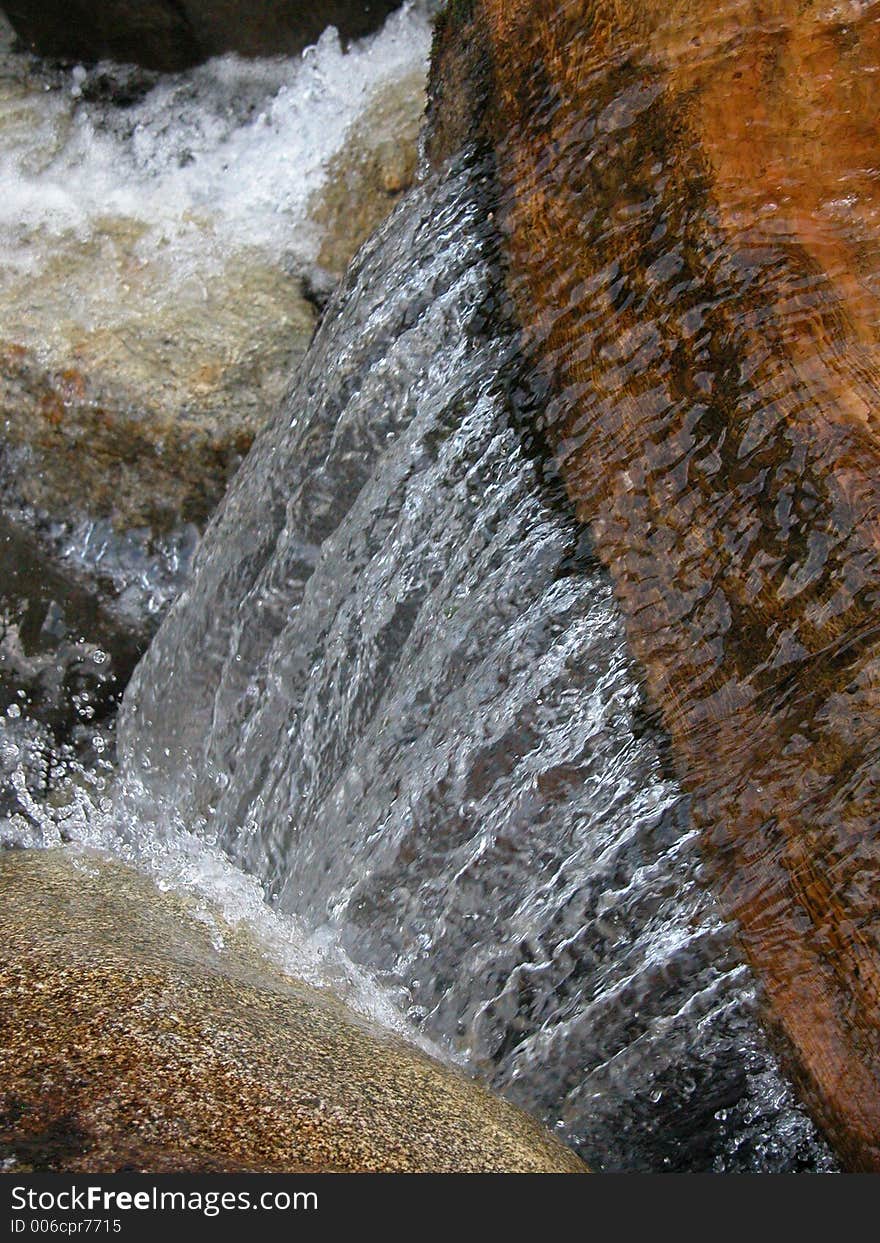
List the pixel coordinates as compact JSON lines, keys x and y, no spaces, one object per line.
{"x":221,"y":159}
{"x":88,"y":809}
{"x":227,"y":154}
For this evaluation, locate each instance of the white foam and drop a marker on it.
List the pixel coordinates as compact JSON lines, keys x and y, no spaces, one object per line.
{"x":227,"y":154}
{"x":90,"y":809}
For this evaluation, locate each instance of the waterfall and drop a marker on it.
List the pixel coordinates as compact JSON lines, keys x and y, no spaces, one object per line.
{"x":397,"y":691}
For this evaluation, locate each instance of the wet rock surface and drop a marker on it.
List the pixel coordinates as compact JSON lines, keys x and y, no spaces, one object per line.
{"x":139,"y":1032}
{"x":119,"y":438}
{"x":141,"y":420}
{"x":170,"y":35}
{"x":689,"y":198}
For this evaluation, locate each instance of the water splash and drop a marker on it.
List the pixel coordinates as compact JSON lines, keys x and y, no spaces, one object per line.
{"x":227,"y":154}
{"x":397,"y":689}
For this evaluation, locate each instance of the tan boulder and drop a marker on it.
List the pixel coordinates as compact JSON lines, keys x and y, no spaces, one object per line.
{"x":136,"y":402}
{"x":375,"y":168}
{"x":139,"y":1032}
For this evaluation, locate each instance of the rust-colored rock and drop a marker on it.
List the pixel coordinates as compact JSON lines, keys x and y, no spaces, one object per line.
{"x":691,"y":200}
{"x":139,"y":1031}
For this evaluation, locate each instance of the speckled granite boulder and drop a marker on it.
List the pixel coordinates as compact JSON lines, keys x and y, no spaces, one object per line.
{"x":129,"y":1040}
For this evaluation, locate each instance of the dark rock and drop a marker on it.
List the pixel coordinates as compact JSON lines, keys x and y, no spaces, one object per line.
{"x":170,"y":35}
{"x":65,"y":657}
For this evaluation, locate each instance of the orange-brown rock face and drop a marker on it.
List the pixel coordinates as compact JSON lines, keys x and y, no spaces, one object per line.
{"x":690,"y":194}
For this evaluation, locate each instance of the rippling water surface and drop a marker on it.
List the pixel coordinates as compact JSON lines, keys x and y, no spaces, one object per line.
{"x":397,"y":689}
{"x":692,"y":202}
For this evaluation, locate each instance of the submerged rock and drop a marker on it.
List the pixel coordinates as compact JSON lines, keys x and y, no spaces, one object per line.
{"x":170,"y":35}
{"x":137,"y":1030}
{"x":690,"y":206}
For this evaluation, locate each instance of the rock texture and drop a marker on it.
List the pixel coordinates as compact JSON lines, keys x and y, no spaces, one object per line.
{"x":141,"y":417}
{"x":365,"y":180}
{"x":139,"y":1033}
{"x":691,"y":202}
{"x":173,"y":34}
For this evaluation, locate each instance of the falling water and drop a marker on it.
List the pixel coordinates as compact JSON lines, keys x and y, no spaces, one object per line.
{"x":397,"y":691}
